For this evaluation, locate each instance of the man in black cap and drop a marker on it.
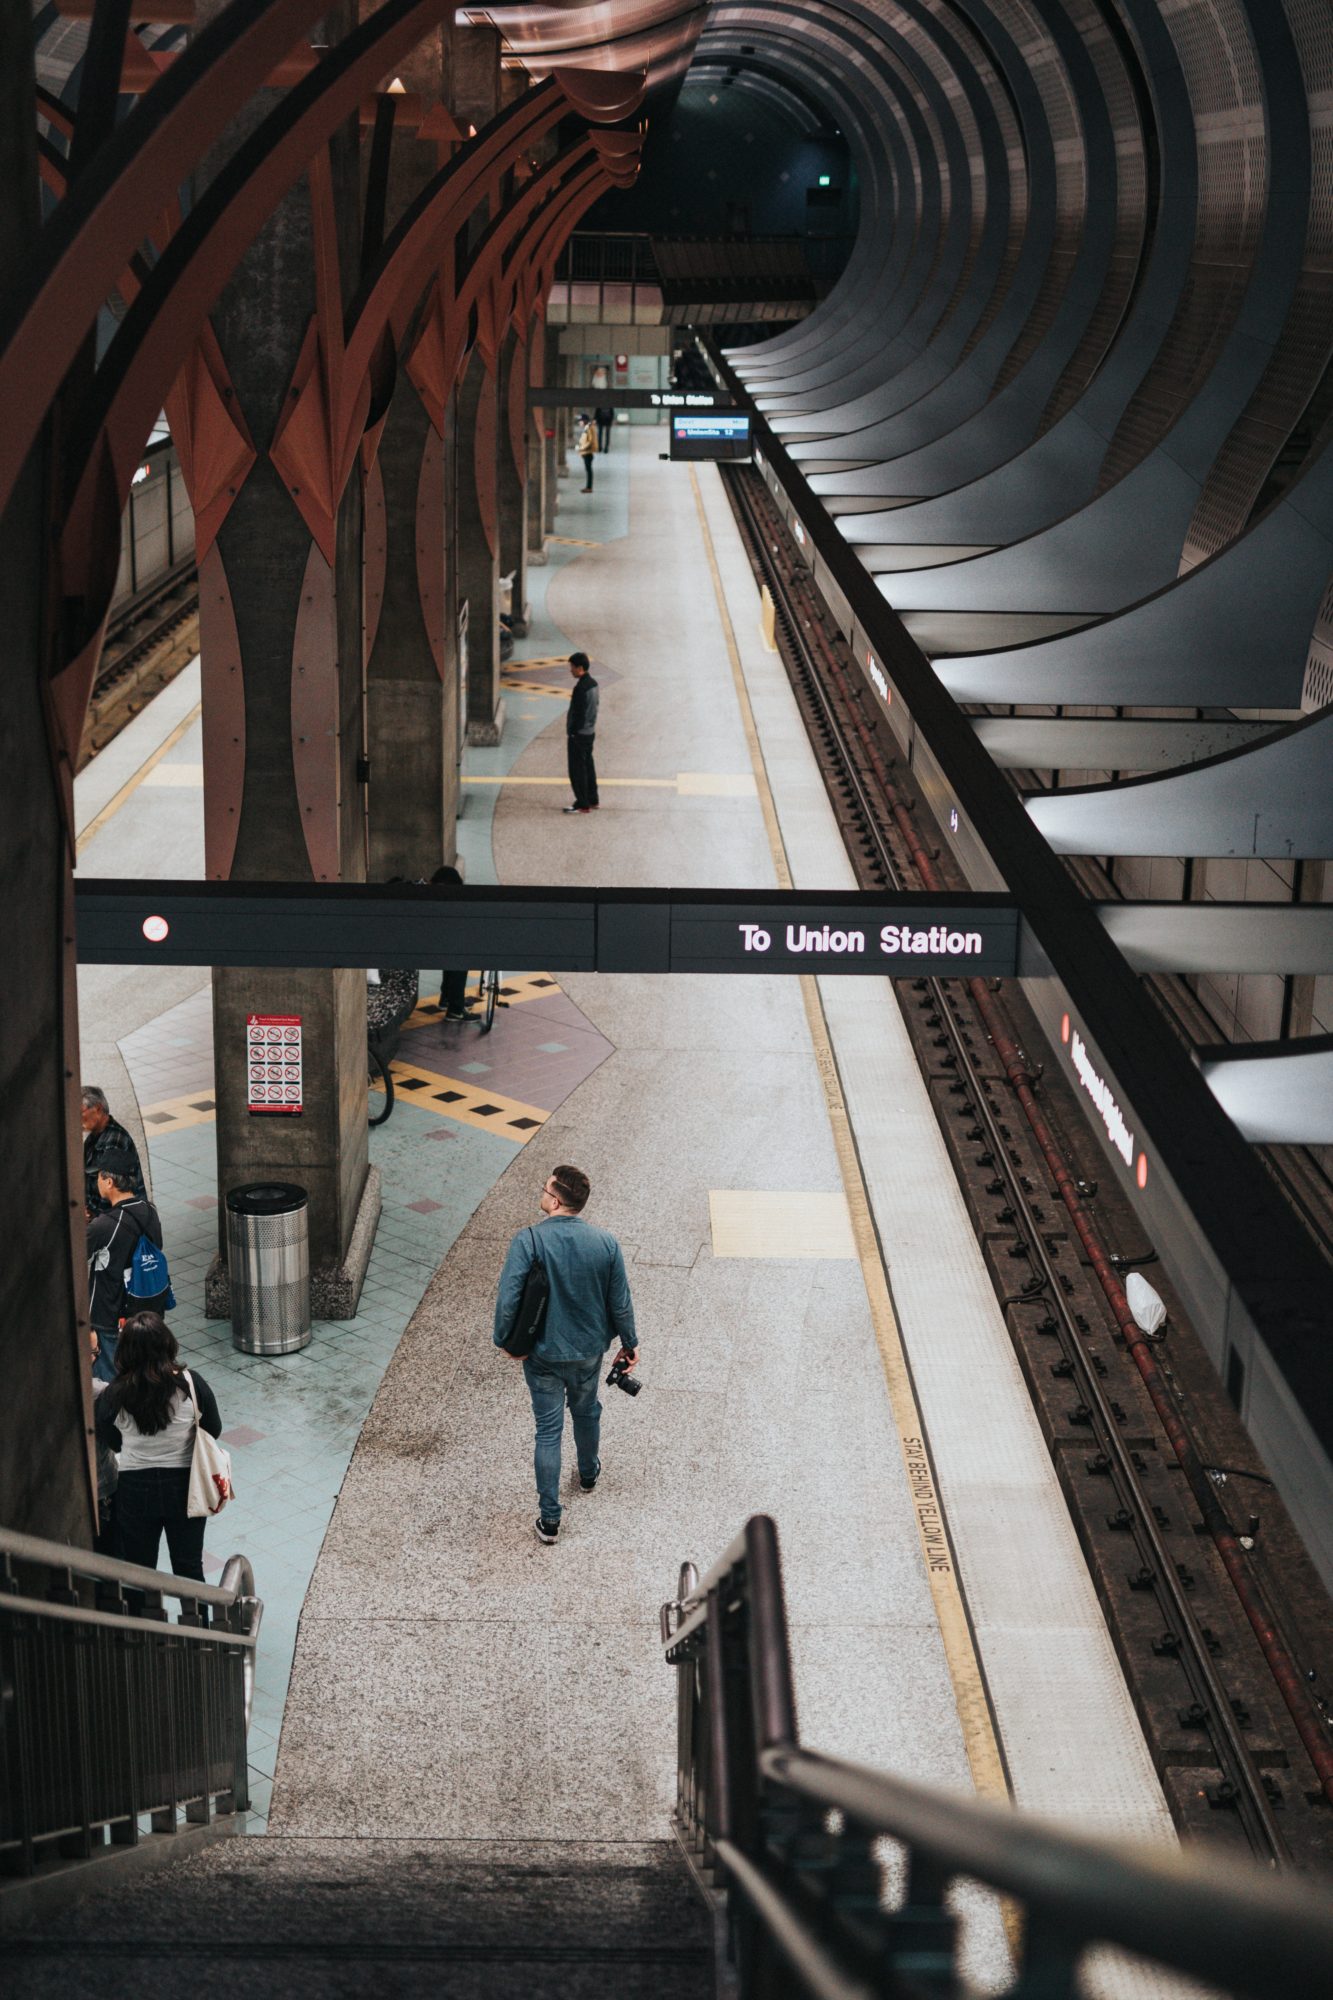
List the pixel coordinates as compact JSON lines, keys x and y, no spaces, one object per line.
{"x":580,"y":729}
{"x":113,"y":1235}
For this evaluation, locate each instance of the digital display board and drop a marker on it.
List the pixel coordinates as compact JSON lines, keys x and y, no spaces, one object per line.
{"x":715,"y":434}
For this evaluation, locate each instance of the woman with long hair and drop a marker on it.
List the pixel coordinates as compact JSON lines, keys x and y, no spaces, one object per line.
{"x":148,"y":1415}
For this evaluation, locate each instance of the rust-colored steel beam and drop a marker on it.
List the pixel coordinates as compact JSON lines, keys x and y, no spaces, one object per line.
{"x":151,"y":346}
{"x":94,"y":233}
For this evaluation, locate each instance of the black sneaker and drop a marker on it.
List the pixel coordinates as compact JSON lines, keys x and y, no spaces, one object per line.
{"x":587,"y":1484}
{"x":462,"y":1015}
{"x":576,"y":809}
{"x":545,"y":1531}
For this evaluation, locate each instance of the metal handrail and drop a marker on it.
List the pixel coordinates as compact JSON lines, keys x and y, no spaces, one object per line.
{"x":114,"y":1717}
{"x":787,"y":1834}
{"x":86,"y":1562}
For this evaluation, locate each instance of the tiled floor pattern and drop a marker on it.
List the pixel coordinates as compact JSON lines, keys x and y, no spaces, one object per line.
{"x":292,"y":1423}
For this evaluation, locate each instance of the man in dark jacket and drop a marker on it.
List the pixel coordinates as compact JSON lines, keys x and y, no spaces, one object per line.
{"x":104,"y":1140}
{"x":580,"y":730}
{"x":112,"y":1235}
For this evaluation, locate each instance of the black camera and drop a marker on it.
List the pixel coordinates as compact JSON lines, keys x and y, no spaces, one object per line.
{"x":620,"y":1378}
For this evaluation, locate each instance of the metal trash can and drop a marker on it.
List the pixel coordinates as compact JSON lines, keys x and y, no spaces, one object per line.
{"x":268,"y":1267}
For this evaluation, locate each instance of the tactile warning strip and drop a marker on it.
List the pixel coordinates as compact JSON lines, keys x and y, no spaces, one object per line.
{"x":763,"y":1222}
{"x":451,"y":1097}
{"x":174,"y":1114}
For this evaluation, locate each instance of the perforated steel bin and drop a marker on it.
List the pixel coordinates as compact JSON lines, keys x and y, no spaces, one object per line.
{"x":268,"y":1265}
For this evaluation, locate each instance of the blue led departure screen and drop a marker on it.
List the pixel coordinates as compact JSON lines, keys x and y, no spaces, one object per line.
{"x":710,"y":434}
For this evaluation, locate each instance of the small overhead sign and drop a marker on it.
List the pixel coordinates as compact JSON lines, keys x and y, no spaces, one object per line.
{"x":718,"y":434}
{"x":896,"y":940}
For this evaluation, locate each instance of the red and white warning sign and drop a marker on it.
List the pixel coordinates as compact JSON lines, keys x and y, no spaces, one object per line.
{"x":273,"y":1065}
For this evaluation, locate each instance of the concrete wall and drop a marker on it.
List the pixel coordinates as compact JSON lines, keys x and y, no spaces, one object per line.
{"x":45,"y":1471}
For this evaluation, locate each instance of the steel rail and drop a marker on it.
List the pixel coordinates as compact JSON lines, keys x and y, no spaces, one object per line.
{"x":1234,"y":1755}
{"x":755,"y":1805}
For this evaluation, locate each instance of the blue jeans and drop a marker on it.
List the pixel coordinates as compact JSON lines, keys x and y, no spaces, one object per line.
{"x":551,"y":1384}
{"x":104,"y":1367}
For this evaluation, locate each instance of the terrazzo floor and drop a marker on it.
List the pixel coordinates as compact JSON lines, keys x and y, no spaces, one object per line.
{"x":292,"y":1423}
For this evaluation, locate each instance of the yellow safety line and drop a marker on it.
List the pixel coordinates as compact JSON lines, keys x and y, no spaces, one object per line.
{"x":127,"y":790}
{"x":775,"y":842}
{"x":977,"y":1721}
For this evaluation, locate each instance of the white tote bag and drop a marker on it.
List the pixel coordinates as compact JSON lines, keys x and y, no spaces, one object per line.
{"x":210,"y":1468}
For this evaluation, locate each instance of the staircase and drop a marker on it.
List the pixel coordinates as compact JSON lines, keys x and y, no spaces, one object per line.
{"x":449,"y":1918}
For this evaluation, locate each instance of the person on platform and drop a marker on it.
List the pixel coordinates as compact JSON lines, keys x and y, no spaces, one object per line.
{"x":605,"y":417}
{"x":108,"y":1472}
{"x":113,"y":1235}
{"x":587,"y":448}
{"x":588,"y":1307}
{"x":103,"y":1138}
{"x":147,"y":1415}
{"x":453,"y":981}
{"x":580,"y":734}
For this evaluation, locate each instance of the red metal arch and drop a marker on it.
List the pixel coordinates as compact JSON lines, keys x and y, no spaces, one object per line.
{"x":102,"y":221}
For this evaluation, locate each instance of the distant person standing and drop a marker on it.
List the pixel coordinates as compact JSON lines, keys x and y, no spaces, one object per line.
{"x":587,"y":448}
{"x":104,"y":1139}
{"x":588,"y":1306}
{"x":580,"y":732}
{"x":605,"y":417}
{"x":453,"y":982}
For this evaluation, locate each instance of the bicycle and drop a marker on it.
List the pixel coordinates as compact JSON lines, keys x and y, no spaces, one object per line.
{"x":378,"y":1062}
{"x":487,"y":1000}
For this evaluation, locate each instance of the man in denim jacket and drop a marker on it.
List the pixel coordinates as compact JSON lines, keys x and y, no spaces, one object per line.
{"x":588,"y":1307}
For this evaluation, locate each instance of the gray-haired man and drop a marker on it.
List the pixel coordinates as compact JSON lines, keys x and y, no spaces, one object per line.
{"x":103,"y":1141}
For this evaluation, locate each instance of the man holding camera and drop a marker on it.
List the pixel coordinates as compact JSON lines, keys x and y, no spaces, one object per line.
{"x":588,"y":1307}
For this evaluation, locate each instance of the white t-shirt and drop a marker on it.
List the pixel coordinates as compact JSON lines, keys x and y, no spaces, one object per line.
{"x":170,"y":1449}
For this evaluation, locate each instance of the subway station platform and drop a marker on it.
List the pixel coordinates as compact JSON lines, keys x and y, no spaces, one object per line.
{"x":820,"y":1338}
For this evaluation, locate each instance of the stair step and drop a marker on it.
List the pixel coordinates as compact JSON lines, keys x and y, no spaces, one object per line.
{"x":454,"y":1918}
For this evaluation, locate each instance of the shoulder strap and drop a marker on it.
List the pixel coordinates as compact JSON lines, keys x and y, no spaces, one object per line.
{"x":537,"y":1257}
{"x":189,"y":1383}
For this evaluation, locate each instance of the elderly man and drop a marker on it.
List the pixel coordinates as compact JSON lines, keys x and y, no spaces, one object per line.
{"x":104,"y":1140}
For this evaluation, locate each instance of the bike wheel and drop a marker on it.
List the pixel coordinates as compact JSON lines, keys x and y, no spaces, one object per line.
{"x":490,"y":993}
{"x":379,"y":1068}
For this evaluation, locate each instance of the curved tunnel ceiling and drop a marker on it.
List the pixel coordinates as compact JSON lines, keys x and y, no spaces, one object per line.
{"x":657,"y":36}
{"x":1071,"y":402}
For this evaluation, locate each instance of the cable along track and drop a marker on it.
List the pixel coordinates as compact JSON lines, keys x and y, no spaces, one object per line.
{"x":1201,"y":1651}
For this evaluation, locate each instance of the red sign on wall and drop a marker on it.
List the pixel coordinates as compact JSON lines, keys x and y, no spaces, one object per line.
{"x":273,"y":1065}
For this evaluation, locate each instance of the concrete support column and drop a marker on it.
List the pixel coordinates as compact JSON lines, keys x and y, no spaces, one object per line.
{"x":478,"y":425}
{"x":562,"y":421}
{"x":46,"y":1485}
{"x":474,"y":75}
{"x":512,"y":475}
{"x":412,"y":720}
{"x":412,"y":672}
{"x":282,"y":648}
{"x":551,"y":373}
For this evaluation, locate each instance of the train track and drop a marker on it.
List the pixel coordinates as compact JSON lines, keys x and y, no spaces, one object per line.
{"x":148,"y":641}
{"x":1223,"y":1692}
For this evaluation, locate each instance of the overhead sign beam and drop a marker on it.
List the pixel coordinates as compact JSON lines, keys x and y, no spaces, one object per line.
{"x":630,"y":399}
{"x":560,"y":930}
